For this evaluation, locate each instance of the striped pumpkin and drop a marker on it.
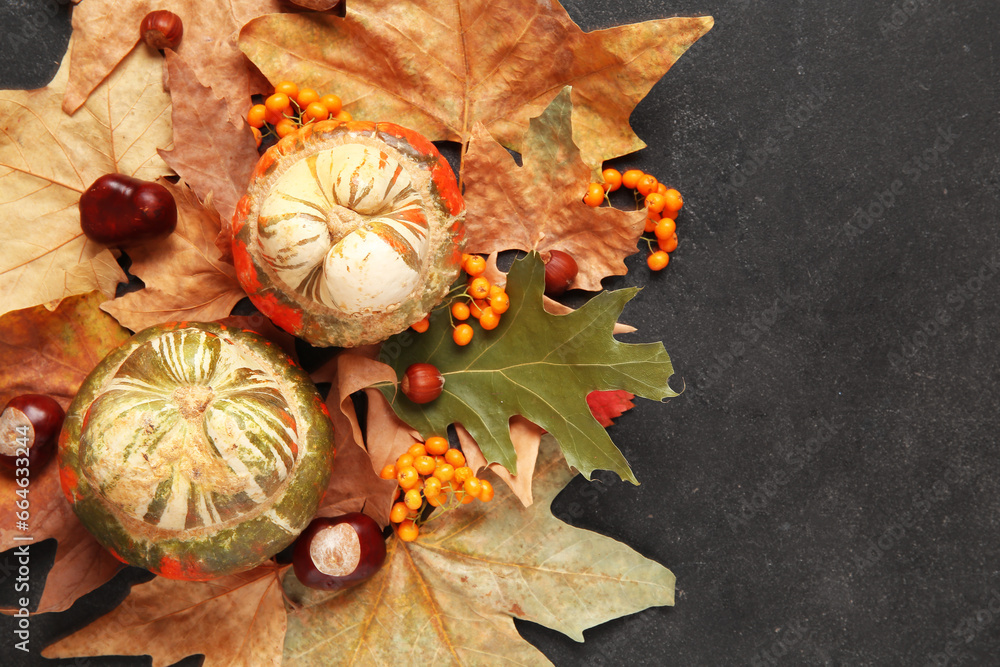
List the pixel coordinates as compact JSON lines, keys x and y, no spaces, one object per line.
{"x":196,"y":451}
{"x":349,"y":232}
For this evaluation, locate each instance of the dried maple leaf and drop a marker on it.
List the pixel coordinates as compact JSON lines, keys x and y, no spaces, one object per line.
{"x":526,"y":438}
{"x":52,"y":353}
{"x":441,"y":67}
{"x":47,"y":160}
{"x":210,"y":155}
{"x":452,"y":594}
{"x":607,"y":406}
{"x":547,"y":212}
{"x":184,"y":274}
{"x":235,"y":620}
{"x":536,"y":365}
{"x":106,"y":30}
{"x":354,"y":486}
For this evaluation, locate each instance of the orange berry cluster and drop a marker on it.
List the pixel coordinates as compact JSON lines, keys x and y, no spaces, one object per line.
{"x":662,"y":206}
{"x":291,"y":107}
{"x":477,"y":299}
{"x":427,"y":473}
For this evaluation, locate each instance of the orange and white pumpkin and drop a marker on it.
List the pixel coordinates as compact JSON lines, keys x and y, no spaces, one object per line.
{"x":349,"y":232}
{"x":196,"y":451}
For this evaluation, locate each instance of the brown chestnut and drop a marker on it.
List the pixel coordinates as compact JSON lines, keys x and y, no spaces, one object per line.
{"x":121,"y":210}
{"x":29,"y":429}
{"x":560,"y":272}
{"x":422,"y":383}
{"x":337,"y":552}
{"x":162,"y":29}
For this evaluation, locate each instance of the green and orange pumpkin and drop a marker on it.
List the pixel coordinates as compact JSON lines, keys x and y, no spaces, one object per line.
{"x":196,"y":451}
{"x":349,"y":232}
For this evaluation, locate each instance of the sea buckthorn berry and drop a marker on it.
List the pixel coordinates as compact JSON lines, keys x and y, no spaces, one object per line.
{"x":665,"y":228}
{"x":407,"y":477}
{"x":462,"y":334}
{"x":658,"y":260}
{"x":654,"y":202}
{"x":256,"y":115}
{"x":432,"y":487}
{"x":485,"y":491}
{"x":306,"y":97}
{"x":445,"y":472}
{"x":612,"y":179}
{"x":421,"y":326}
{"x":631,"y":177}
{"x":646,"y":185}
{"x":417,"y":450}
{"x":594,"y":196}
{"x":413,"y":500}
{"x":425,"y":465}
{"x":404,"y":459}
{"x":476,"y":307}
{"x":285,"y":127}
{"x":661,"y":189}
{"x":650,"y":225}
{"x":277,"y":103}
{"x":472,"y":486}
{"x":668,"y":245}
{"x":673,"y":199}
{"x":332,"y":103}
{"x":272,"y":117}
{"x":460,"y":310}
{"x":496,"y":289}
{"x":436,"y":445}
{"x":257,"y":137}
{"x":463,"y":473}
{"x":667,"y":213}
{"x":475,"y":265}
{"x":438,"y":500}
{"x":455,"y":457}
{"x":489,"y":319}
{"x":343,"y":116}
{"x":315,"y":111}
{"x":500,"y":303}
{"x":407,"y":531}
{"x":398,"y":513}
{"x":388,"y":472}
{"x":287,"y":88}
{"x":463,"y":497}
{"x":479,"y":288}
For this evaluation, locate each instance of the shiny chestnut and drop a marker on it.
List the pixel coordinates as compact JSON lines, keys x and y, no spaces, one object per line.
{"x":422,"y":383}
{"x":162,"y":29}
{"x":560,"y":272}
{"x":337,"y":552}
{"x":29,"y":429}
{"x":120,"y":210}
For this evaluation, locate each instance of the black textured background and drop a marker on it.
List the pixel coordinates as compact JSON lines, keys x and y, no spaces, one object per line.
{"x":825,"y":489}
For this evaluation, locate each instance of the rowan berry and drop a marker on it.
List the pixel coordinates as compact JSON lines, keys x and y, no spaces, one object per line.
{"x":436,"y":445}
{"x":407,"y":531}
{"x":612,"y":179}
{"x":658,"y":260}
{"x":462,"y":334}
{"x":594,"y":196}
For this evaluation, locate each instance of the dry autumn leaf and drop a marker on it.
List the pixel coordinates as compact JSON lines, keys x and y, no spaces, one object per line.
{"x":547,"y":213}
{"x":354,"y":486}
{"x":51,"y":353}
{"x":106,"y":30}
{"x":184,"y":274}
{"x":47,"y":160}
{"x":442,"y":67}
{"x":451,"y":596}
{"x":233,"y":621}
{"x":210,"y":155}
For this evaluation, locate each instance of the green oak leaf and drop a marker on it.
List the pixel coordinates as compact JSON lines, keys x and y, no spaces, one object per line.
{"x":537,"y":365}
{"x":450,"y":596}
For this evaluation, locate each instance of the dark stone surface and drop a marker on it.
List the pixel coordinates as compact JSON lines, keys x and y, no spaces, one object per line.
{"x":825,"y":489}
